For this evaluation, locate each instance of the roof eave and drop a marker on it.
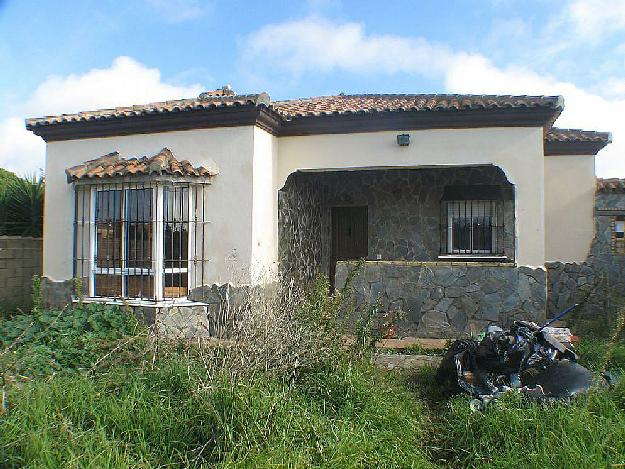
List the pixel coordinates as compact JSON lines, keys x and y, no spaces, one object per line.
{"x":417,"y":120}
{"x":590,"y":148}
{"x":265,"y":117}
{"x":158,"y":122}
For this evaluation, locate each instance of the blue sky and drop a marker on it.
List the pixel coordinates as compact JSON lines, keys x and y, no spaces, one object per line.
{"x":69,"y":56}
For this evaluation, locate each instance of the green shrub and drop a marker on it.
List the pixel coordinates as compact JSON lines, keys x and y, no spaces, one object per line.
{"x":6,"y":178}
{"x":21,"y":207}
{"x":68,"y":340}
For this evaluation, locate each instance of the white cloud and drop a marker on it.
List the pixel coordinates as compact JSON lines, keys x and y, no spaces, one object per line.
{"x":594,"y":19}
{"x":316,"y":45}
{"x":614,"y":86}
{"x":125,"y":82}
{"x":20,"y":151}
{"x":583,"y":109}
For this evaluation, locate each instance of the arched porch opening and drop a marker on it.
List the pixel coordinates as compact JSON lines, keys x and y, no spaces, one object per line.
{"x":429,"y":214}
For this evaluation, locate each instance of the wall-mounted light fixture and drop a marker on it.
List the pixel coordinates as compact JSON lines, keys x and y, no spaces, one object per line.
{"x":403,"y":140}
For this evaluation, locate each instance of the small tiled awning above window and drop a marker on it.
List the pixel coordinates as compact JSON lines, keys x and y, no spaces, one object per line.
{"x":113,"y":166}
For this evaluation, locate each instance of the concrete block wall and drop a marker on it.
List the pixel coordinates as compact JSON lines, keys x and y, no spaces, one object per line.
{"x":20,"y":259}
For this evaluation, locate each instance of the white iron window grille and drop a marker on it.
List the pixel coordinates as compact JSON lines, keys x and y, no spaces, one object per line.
{"x":140,"y":240}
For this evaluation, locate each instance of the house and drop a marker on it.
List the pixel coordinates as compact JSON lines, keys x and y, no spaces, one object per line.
{"x":457,"y":202}
{"x":597,"y":283}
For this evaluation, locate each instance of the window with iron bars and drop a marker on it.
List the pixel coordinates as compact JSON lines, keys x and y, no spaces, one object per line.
{"x":141,"y":241}
{"x":472,"y":222}
{"x":473,"y":228}
{"x":617,"y":238}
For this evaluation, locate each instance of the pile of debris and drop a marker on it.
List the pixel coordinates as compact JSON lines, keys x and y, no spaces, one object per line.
{"x":537,"y":361}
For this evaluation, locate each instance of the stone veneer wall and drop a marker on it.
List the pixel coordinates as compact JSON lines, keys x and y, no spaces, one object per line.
{"x":404,"y":210}
{"x":598,"y":281}
{"x":445,"y":300}
{"x":187,"y":321}
{"x":208,"y":314}
{"x":299,"y":228}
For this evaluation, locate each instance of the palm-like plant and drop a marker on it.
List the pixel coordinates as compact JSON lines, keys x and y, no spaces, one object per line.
{"x":6,"y":177}
{"x":21,"y":207}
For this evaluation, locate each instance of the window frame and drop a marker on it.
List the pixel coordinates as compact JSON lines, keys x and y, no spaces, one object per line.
{"x":157,"y":269}
{"x":453,"y":215}
{"x":190,"y":242}
{"x":617,"y":243}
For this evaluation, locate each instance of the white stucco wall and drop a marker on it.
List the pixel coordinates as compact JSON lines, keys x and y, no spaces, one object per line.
{"x":242,"y":236}
{"x":264,"y":265}
{"x":517,"y":151}
{"x":569,"y":204}
{"x":229,"y":200}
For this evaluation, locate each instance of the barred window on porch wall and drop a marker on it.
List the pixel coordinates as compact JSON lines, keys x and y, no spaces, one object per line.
{"x":140,"y":241}
{"x":472,"y":221}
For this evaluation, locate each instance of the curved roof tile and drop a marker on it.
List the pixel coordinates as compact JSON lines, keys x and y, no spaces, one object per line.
{"x":315,"y":106}
{"x":344,"y":104}
{"x":611,"y":185}
{"x":112,"y":165}
{"x":577,"y":135}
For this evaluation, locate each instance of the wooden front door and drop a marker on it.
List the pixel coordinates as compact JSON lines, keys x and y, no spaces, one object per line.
{"x":349,"y":235}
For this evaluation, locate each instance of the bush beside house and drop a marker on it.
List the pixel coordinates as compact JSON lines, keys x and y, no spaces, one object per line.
{"x":21,"y":246}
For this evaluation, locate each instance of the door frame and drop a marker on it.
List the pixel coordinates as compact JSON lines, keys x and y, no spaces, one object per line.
{"x":334,"y":238}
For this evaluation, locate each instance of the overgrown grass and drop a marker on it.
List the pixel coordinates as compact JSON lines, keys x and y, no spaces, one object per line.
{"x":588,"y":432}
{"x":514,"y":432}
{"x":593,"y":354}
{"x":350,"y":416}
{"x":156,"y":404}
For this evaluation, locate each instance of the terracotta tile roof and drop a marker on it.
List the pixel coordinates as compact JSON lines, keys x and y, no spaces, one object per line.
{"x":112,"y":165}
{"x":611,"y":185}
{"x":317,"y":106}
{"x":577,"y":135}
{"x":365,"y":103}
{"x":206,"y":100}
{"x":298,"y":111}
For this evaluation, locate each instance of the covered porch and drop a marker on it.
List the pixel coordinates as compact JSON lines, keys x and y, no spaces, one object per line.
{"x":425,"y":214}
{"x":432,"y":238}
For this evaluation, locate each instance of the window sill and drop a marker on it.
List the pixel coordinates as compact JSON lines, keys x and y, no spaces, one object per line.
{"x":474,"y":258}
{"x":139,"y":302}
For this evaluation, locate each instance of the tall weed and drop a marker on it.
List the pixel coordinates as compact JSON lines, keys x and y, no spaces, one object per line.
{"x":286,"y":332}
{"x":165,"y":416}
